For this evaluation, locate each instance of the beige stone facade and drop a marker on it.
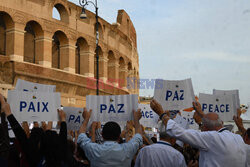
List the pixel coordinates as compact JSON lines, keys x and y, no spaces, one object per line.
{"x":38,"y":48}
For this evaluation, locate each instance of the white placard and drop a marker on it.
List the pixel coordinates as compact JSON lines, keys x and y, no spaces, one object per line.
{"x":189,"y":117}
{"x":181,"y":121}
{"x":149,"y":117}
{"x":235,"y":93}
{"x":112,"y":108}
{"x":34,"y":106}
{"x":174,"y":95}
{"x":23,"y":85}
{"x":74,"y":117}
{"x":223,"y":105}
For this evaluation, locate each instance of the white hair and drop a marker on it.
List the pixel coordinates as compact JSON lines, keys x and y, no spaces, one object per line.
{"x":212,"y":124}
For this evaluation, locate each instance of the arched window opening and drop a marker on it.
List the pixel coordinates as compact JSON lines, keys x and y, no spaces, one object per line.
{"x":2,"y":36}
{"x":55,"y":52}
{"x":32,"y":49}
{"x":111,"y":67}
{"x":29,"y":44}
{"x":59,"y":44}
{"x":6,"y":23}
{"x":100,"y":54}
{"x":78,"y":59}
{"x":59,"y":12}
{"x":56,"y":15}
{"x":81,"y":49}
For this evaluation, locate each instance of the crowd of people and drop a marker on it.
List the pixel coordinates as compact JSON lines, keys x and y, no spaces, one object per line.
{"x":108,"y":146}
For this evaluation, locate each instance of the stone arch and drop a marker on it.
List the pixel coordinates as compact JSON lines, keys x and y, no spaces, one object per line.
{"x":111,"y":66}
{"x":100,"y":54}
{"x":82,"y":48}
{"x":33,"y":30}
{"x":59,"y":40}
{"x":64,"y":14}
{"x":6,"y":23}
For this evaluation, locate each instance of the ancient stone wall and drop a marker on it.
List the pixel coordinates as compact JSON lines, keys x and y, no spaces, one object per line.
{"x":36,"y":47}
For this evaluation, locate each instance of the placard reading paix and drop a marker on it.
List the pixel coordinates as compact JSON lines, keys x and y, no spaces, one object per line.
{"x":174,"y":95}
{"x":112,"y":108}
{"x":223,"y":105}
{"x":34,"y":106}
{"x":149,"y":117}
{"x":23,"y":85}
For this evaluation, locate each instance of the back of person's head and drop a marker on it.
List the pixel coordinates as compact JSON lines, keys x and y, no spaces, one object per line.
{"x":154,"y":139}
{"x":52,"y":149}
{"x":36,"y":135}
{"x":247,"y":137}
{"x":35,"y":138}
{"x":111,"y":131}
{"x":211,"y":121}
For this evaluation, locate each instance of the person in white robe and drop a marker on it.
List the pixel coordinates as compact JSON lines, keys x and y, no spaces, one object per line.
{"x":218,"y":146}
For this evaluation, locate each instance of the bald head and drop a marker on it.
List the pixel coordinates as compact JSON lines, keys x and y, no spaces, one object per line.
{"x":211,"y":121}
{"x":212,"y":116}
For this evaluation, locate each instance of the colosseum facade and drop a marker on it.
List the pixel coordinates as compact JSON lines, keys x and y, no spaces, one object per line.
{"x":38,"y":48}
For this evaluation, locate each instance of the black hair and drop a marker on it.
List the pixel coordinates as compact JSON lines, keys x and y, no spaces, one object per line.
{"x":248,"y":133}
{"x":52,"y":149}
{"x":111,"y":131}
{"x":154,"y":139}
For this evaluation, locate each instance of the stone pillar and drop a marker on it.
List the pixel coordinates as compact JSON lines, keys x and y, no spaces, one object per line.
{"x":87,"y":63}
{"x":44,"y":50}
{"x":103,"y":68}
{"x":67,"y":58}
{"x":15,"y":40}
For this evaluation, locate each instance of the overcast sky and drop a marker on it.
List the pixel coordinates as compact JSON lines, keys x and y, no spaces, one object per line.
{"x":208,"y":41}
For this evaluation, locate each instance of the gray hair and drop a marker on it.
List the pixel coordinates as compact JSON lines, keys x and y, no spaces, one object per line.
{"x":212,"y":124}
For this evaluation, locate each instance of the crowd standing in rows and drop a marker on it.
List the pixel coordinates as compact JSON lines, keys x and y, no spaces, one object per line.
{"x":213,"y":146}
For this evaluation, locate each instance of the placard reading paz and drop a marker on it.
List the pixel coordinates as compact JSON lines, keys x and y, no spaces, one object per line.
{"x":34,"y":106}
{"x":74,"y":117}
{"x":112,"y":108}
{"x":174,"y":95}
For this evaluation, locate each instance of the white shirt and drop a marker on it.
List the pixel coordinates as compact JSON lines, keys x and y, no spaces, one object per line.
{"x":217,"y":149}
{"x":248,"y":155}
{"x":160,"y":154}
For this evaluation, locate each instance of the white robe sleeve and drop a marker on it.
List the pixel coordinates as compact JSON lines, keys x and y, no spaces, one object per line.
{"x":193,"y":137}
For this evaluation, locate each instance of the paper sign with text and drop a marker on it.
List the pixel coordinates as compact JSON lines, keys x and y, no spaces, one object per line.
{"x":74,"y":117}
{"x":22,"y":85}
{"x":223,"y":105}
{"x":235,"y":93}
{"x":181,"y":121}
{"x":189,"y":117}
{"x":174,"y":95}
{"x":34,"y":106}
{"x":149,"y":117}
{"x":112,"y":108}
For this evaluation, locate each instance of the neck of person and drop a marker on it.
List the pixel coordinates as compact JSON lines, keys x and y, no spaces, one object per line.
{"x":218,"y":128}
{"x":167,"y":140}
